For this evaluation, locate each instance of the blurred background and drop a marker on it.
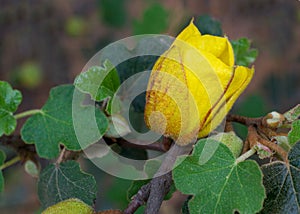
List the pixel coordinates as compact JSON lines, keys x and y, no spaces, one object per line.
{"x":46,"y":43}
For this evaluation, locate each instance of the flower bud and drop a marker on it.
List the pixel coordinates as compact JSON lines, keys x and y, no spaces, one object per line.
{"x":193,"y":85}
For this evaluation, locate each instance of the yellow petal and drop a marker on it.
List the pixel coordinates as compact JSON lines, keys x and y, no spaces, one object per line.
{"x":190,"y":33}
{"x":240,"y":80}
{"x":192,"y":86}
{"x":218,"y":46}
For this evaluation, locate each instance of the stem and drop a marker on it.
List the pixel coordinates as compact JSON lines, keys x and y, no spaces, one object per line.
{"x":245,"y":156}
{"x":276,"y":148}
{"x":27,"y":113}
{"x":243,"y":120}
{"x":10,"y":162}
{"x":61,"y":156}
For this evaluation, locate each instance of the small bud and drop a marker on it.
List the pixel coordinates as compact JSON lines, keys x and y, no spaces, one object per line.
{"x":118,"y":126}
{"x":263,"y":151}
{"x":273,"y":120}
{"x":32,"y":168}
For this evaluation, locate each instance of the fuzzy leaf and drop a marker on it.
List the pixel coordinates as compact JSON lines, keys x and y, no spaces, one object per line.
{"x":55,"y":124}
{"x":99,"y":82}
{"x":294,"y":134}
{"x":9,"y":102}
{"x":293,"y":114}
{"x":64,"y":181}
{"x":282,"y":183}
{"x":219,"y":184}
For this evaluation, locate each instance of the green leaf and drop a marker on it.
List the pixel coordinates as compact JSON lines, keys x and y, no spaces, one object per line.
{"x":9,"y":102}
{"x":282,"y":183}
{"x":219,"y":184}
{"x":99,"y":82}
{"x":55,"y":124}
{"x":208,"y":25}
{"x":293,"y":114}
{"x":66,"y":180}
{"x":2,"y":159}
{"x":70,"y":206}
{"x":185,"y":206}
{"x":154,"y":21}
{"x":294,"y":134}
{"x":243,"y":54}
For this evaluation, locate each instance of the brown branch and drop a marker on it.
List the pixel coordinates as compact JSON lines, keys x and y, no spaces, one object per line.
{"x":275,"y":148}
{"x":138,"y":200}
{"x":159,"y":187}
{"x":244,"y":120}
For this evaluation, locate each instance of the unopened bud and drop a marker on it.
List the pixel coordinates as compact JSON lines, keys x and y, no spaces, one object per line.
{"x":118,"y":126}
{"x":274,"y":119}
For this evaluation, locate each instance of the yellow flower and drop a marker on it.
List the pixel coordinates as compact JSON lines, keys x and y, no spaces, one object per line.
{"x":193,"y":85}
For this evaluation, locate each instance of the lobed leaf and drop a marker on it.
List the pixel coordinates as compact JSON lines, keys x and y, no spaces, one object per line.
{"x":294,"y":134}
{"x":293,"y":114}
{"x":282,"y":183}
{"x":55,"y":124}
{"x":9,"y":102}
{"x":64,"y":181}
{"x":219,"y":184}
{"x":100,"y":82}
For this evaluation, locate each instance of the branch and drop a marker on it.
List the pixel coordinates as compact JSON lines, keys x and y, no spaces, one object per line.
{"x":159,"y":187}
{"x":244,"y":120}
{"x":156,"y":146}
{"x":138,"y":200}
{"x":154,"y":192}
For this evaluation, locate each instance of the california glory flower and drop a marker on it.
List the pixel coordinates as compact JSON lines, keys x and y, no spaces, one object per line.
{"x":193,"y":85}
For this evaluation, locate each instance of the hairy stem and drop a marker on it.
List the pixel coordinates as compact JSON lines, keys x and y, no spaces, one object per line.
{"x":246,"y":155}
{"x":10,"y":162}
{"x":27,"y":113}
{"x":243,"y":120}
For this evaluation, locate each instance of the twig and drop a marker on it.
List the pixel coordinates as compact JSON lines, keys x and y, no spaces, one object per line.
{"x":243,"y":120}
{"x":156,"y":146}
{"x":160,"y":185}
{"x":275,"y":148}
{"x":138,"y":200}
